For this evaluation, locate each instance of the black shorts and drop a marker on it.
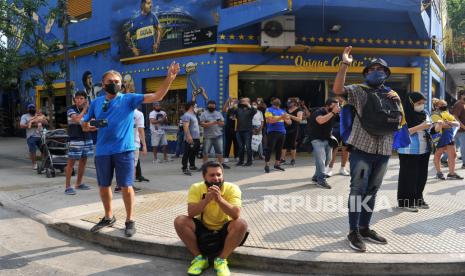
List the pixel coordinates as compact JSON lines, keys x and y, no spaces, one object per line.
{"x":200,"y":228}
{"x":291,"y":140}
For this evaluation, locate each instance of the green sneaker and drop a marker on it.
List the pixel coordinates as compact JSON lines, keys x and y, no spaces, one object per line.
{"x":221,"y":267}
{"x":198,"y":265}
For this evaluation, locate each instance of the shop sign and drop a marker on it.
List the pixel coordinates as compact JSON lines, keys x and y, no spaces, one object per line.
{"x":334,"y":62}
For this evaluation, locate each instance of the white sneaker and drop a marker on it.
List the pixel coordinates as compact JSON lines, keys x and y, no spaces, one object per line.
{"x":34,"y":167}
{"x":226,"y":160}
{"x":328,"y":171}
{"x":344,"y":172}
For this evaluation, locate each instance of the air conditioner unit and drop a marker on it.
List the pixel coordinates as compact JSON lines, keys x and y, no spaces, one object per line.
{"x":278,"y":32}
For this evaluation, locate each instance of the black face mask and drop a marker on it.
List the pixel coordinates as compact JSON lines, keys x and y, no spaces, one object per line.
{"x":209,"y":184}
{"x":211,"y":109}
{"x":32,"y":111}
{"x":443,"y":108}
{"x":112,"y":88}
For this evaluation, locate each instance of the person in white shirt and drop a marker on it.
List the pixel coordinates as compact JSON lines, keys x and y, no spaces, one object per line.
{"x":257,"y":124}
{"x":158,"y":119}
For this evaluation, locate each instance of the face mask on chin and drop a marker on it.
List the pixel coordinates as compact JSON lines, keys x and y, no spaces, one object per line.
{"x":211,"y":109}
{"x":209,"y":184}
{"x":375,"y":78}
{"x":112,"y":88}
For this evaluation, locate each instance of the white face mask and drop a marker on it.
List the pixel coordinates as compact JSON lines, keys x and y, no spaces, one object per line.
{"x":419,"y":108}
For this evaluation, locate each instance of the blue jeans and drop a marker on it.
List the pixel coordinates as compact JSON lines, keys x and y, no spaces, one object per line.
{"x":180,"y":143}
{"x":366,"y":175}
{"x":460,"y":139}
{"x":244,"y":141}
{"x":322,"y":155}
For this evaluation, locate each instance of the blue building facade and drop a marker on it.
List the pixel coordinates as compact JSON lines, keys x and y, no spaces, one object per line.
{"x":220,"y":47}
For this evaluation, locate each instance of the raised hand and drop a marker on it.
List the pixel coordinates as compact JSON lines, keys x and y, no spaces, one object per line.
{"x":346,"y":56}
{"x":173,"y":70}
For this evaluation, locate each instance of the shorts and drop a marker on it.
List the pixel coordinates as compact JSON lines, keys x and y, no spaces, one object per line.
{"x":291,"y":140}
{"x":158,"y":140}
{"x":216,"y":143}
{"x":443,"y":146}
{"x":121,"y":163}
{"x":33,"y":143}
{"x":80,"y":149}
{"x":200,"y":229}
{"x":136,"y":156}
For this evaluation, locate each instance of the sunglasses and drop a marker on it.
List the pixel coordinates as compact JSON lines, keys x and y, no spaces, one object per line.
{"x":105,"y":106}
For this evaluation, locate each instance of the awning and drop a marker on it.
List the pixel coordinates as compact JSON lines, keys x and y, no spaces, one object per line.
{"x":251,"y":13}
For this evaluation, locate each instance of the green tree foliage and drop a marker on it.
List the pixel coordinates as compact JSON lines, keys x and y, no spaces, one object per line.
{"x":456,"y":13}
{"x":27,"y":46}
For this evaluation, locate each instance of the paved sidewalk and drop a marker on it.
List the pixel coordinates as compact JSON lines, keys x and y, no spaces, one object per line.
{"x":284,"y":210}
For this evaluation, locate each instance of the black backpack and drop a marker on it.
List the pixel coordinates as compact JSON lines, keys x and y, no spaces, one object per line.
{"x":381,"y":115}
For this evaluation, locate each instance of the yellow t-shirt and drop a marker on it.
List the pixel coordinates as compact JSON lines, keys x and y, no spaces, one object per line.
{"x":444,"y":116}
{"x":213,"y":216}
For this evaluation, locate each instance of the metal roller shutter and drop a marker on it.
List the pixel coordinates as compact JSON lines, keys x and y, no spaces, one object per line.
{"x":152,"y":84}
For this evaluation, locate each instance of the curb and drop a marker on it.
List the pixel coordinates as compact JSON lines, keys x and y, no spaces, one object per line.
{"x":285,"y":261}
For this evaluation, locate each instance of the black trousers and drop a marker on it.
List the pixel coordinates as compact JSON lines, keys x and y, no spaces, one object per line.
{"x":190,"y":152}
{"x":230,"y":139}
{"x":413,"y":174}
{"x":275,"y":141}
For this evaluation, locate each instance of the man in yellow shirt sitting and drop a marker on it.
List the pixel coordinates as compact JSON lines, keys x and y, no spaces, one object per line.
{"x":213,"y":227}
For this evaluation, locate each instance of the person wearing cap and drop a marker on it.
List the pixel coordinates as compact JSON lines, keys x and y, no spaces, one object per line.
{"x":212,"y":122}
{"x":158,"y":118}
{"x":370,"y":154}
{"x":32,"y":121}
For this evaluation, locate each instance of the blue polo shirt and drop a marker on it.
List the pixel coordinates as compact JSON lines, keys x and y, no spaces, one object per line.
{"x":118,"y":136}
{"x":143,"y":29}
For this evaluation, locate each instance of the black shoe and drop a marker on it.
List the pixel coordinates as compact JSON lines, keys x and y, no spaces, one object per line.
{"x":248,"y":164}
{"x":186,"y":172}
{"x":240,"y":163}
{"x":193,"y":168}
{"x":279,"y":168}
{"x":136,"y":189}
{"x":356,"y":242}
{"x":440,"y":175}
{"x":282,"y":161}
{"x":104,"y":222}
{"x":454,"y":176}
{"x":292,"y":162}
{"x":143,"y":179}
{"x":423,"y":205}
{"x":371,"y":235}
{"x":323,"y":184}
{"x":130,"y":228}
{"x":267,"y":169}
{"x":314,"y":179}
{"x":225,"y":166}
{"x":117,"y":189}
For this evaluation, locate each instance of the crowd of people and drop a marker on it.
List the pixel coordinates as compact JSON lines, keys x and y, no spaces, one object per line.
{"x":365,"y":122}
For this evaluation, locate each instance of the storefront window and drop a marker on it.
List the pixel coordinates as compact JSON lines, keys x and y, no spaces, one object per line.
{"x":173,"y":105}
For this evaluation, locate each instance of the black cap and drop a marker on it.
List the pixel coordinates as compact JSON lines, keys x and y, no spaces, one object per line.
{"x":378,"y":61}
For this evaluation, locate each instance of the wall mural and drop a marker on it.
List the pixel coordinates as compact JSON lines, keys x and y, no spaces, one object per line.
{"x":146,"y":27}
